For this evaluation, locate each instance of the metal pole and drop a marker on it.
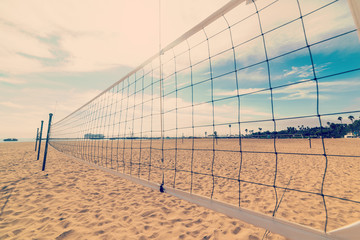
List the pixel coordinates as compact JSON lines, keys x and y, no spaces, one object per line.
{"x":37,"y":137}
{"x":47,"y":141}
{"x":40,"y":136}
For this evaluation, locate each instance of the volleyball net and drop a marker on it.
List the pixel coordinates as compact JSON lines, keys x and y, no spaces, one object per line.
{"x":249,"y":113}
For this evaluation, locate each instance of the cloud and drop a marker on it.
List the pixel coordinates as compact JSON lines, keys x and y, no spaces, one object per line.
{"x":101,"y":38}
{"x":15,"y":81}
{"x":302,"y":90}
{"x":251,"y":75}
{"x":39,"y":38}
{"x":304,"y":71}
{"x":46,"y":36}
{"x":17,"y":39}
{"x":27,"y":106}
{"x":307,"y":90}
{"x":282,"y":40}
{"x":134,"y":117}
{"x":11,"y":105}
{"x":22,"y":51}
{"x":69,"y":99}
{"x":236,"y":92}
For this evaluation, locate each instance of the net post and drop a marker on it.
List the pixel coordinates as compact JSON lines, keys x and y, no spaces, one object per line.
{"x":354,"y":6}
{"x":40,"y":137}
{"x":47,"y":141}
{"x":216,"y":137}
{"x":36,"y":139}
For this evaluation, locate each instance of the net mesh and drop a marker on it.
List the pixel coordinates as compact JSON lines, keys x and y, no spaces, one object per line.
{"x":255,"y":108}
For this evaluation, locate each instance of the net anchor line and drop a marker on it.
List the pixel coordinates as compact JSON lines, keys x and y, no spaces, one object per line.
{"x":267,"y":232}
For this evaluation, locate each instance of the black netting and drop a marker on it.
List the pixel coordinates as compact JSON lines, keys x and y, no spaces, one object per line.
{"x":251,"y":110}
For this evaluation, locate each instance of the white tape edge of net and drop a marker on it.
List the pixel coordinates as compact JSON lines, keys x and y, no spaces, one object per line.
{"x":285,"y":228}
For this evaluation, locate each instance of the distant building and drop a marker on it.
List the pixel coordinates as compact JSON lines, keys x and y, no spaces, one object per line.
{"x":94,"y":136}
{"x":350,"y":135}
{"x":10,"y":140}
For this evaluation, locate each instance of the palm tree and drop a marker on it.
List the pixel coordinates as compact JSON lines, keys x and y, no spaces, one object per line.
{"x":246,"y":130}
{"x":352,"y":121}
{"x":340,"y":119}
{"x":351,"y":118}
{"x":230,"y":130}
{"x":260,"y":131}
{"x":215,"y":135}
{"x":205,"y":134}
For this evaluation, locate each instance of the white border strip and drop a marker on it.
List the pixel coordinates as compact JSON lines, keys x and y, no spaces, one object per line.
{"x":285,"y":228}
{"x":351,"y":231}
{"x":355,"y":11}
{"x":221,"y":11}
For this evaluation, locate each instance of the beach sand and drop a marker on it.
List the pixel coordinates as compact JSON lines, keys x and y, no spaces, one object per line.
{"x":72,"y":200}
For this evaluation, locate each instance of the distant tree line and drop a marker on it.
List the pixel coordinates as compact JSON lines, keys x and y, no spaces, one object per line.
{"x":330,"y":130}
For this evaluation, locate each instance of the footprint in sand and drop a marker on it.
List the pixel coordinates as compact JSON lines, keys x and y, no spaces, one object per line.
{"x":252,"y":237}
{"x":65,"y":235}
{"x":236,"y":230}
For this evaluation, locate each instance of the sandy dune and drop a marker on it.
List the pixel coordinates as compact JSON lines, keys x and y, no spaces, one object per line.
{"x":71,"y":200}
{"x":296,"y":166}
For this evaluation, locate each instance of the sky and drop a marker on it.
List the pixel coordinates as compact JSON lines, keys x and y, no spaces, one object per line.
{"x":57,"y":55}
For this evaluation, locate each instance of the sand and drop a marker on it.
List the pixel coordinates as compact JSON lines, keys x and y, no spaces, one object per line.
{"x":72,"y":200}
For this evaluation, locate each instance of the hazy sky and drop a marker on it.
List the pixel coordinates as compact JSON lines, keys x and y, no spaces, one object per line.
{"x":312,"y":65}
{"x":57,"y":55}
